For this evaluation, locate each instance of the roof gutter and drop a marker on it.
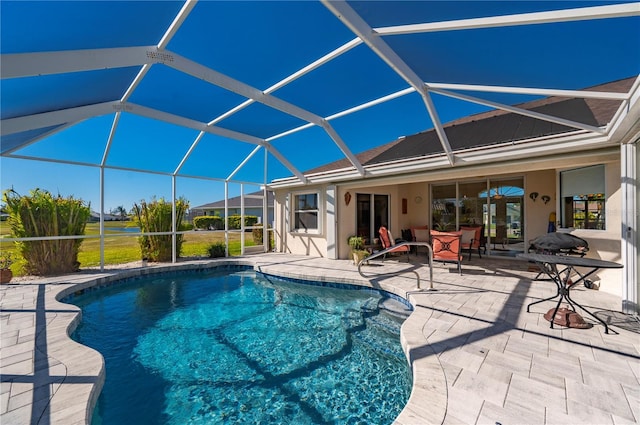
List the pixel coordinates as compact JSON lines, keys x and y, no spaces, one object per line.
{"x":445,"y":172}
{"x":577,"y":141}
{"x":625,"y":125}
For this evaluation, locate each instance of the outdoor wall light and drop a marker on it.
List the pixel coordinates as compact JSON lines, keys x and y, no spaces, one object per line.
{"x":533,"y":196}
{"x":545,"y":199}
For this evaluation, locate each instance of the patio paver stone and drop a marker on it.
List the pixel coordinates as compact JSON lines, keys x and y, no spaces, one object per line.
{"x":477,"y":356}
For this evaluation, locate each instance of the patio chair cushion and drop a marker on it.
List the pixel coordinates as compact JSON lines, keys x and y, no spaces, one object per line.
{"x":467,"y":238}
{"x":471,"y":239}
{"x":476,"y":233}
{"x":446,"y":246}
{"x":413,"y":232}
{"x":386,"y":239}
{"x":421,"y":235}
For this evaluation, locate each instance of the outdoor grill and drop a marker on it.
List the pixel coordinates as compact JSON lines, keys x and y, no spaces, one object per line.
{"x":558,"y":243}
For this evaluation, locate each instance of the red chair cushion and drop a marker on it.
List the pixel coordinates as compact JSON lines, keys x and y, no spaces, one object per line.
{"x":446,"y":245}
{"x":476,"y":239}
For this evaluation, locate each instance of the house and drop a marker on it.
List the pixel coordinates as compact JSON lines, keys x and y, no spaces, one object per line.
{"x":510,"y":171}
{"x":252,"y":206}
{"x":94,"y":217}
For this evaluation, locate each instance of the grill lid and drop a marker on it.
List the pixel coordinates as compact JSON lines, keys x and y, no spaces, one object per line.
{"x":559,"y":242}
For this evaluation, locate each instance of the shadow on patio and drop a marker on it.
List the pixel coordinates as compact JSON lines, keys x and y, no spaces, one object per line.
{"x":477,"y":355}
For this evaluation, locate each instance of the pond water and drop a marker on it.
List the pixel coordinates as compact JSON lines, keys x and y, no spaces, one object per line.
{"x":122,"y":229}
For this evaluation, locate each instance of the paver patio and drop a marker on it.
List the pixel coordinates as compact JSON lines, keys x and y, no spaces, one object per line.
{"x":477,"y":355}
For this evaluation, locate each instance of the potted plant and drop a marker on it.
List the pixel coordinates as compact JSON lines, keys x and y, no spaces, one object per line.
{"x":6,"y":260}
{"x":356,"y":243}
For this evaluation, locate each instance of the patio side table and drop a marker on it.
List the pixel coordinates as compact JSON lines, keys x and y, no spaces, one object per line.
{"x":549,"y":265}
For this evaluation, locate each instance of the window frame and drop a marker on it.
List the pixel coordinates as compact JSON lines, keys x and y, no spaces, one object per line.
{"x":373,"y":197}
{"x":589,"y":197}
{"x":294,"y":211}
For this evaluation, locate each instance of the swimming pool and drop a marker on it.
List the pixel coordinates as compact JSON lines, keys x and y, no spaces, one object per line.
{"x":236,"y":347}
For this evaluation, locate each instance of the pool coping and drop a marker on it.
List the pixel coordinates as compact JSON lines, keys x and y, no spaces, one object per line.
{"x":76,"y":372}
{"x":477,"y":354}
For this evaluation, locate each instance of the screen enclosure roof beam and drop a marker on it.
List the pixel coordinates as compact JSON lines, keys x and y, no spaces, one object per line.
{"x":221,"y":80}
{"x":358,"y":26}
{"x":547,"y":17}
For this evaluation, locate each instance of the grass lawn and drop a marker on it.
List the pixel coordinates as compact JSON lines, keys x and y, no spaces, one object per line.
{"x":124,"y":249}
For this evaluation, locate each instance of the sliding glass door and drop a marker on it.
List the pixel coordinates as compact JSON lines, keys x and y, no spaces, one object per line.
{"x":496,"y":204}
{"x":506,"y":229}
{"x":372,"y":211}
{"x":443,"y":210}
{"x":473,"y":200}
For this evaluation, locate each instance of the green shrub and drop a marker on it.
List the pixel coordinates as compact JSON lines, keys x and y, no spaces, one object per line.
{"x":249,"y":220}
{"x":258,"y":239}
{"x":207,"y":222}
{"x":155,"y":216}
{"x":39,"y":215}
{"x":217,"y":249}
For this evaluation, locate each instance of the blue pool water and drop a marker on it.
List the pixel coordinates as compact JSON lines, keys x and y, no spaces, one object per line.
{"x":235,"y":347}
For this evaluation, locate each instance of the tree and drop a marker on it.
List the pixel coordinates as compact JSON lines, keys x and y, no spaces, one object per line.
{"x":120,"y":211}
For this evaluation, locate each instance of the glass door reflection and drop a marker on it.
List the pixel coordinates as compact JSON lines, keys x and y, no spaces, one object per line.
{"x":506,"y":216}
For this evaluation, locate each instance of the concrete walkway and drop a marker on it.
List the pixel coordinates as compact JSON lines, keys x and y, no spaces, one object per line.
{"x":477,"y":355}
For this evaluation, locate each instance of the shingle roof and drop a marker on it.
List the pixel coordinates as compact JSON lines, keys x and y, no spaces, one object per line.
{"x":235,"y":202}
{"x":364,"y":158}
{"x":497,"y":126}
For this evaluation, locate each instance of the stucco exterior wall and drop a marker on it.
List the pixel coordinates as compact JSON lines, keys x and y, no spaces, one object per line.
{"x":312,"y":244}
{"x":536,"y":220}
{"x":604,"y":244}
{"x":418,"y":204}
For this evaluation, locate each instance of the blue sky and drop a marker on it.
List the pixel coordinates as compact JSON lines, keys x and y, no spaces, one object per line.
{"x":260,"y":43}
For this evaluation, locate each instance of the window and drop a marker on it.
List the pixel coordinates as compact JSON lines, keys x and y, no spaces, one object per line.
{"x":583,"y":198}
{"x":306,"y":213}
